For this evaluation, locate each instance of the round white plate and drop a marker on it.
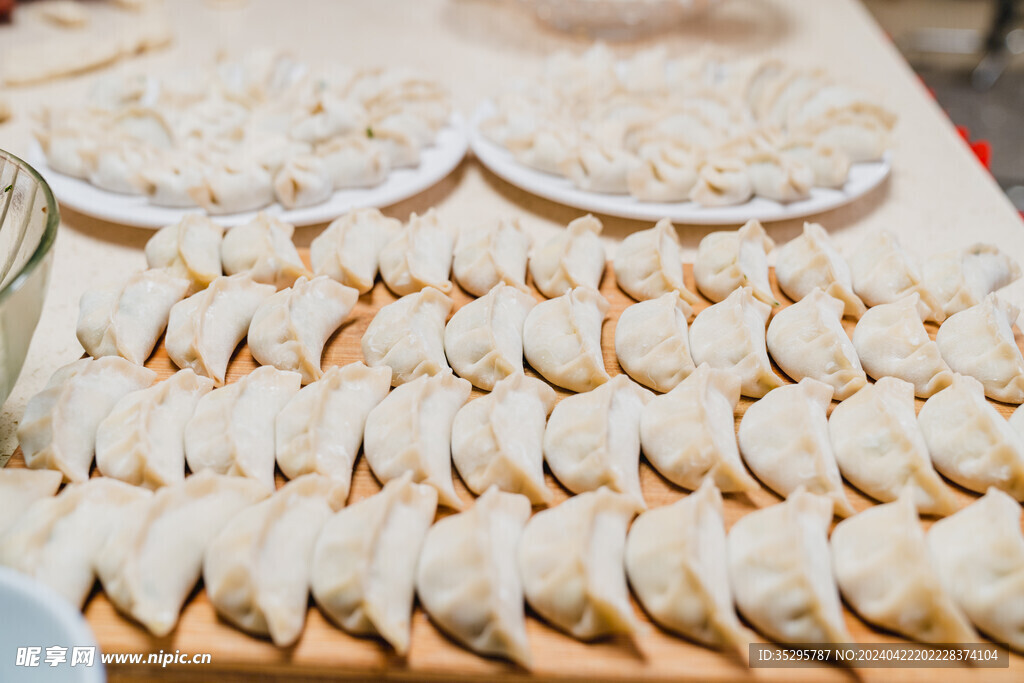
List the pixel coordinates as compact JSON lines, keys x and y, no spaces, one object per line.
{"x":436,"y":162}
{"x":33,"y":615}
{"x":863,"y":178}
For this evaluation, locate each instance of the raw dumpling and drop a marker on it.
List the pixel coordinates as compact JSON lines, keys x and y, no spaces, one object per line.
{"x":204,"y":329}
{"x":232,"y":430}
{"x":784,"y":439}
{"x":962,"y":278}
{"x":493,"y":253}
{"x":978,"y":554}
{"x":364,"y":562}
{"x":689,"y":434}
{"x":883,"y":273}
{"x":573,"y":258}
{"x":263,"y":249}
{"x":781,"y":573}
{"x":562,"y":339}
{"x":880,"y":449}
{"x":979,"y":342}
{"x":652,"y":344}
{"x":58,"y":429}
{"x":304,"y":180}
{"x":807,"y":339}
{"x":232,"y":186}
{"x":408,"y":336}
{"x":142,"y":440}
{"x":663,"y":173}
{"x":189,"y":248}
{"x":678,"y":565}
{"x":830,"y":165}
{"x":411,"y":429}
{"x":320,"y":429}
{"x":349,"y":249}
{"x":498,"y":439}
{"x":593,"y":439}
{"x":779,"y":178}
{"x":649,"y":263}
{"x":722,"y":182}
{"x":571,"y":560}
{"x":730,"y":336}
{"x":891,"y":341}
{"x":484,"y":339}
{"x":58,"y":540}
{"x":152,"y":560}
{"x":811,"y":261}
{"x":881,"y":563}
{"x":467,"y":579}
{"x":596,"y":167}
{"x":969,"y":441}
{"x":20,"y":488}
{"x":128,"y":320}
{"x":419,"y":256}
{"x":290,"y":328}
{"x":257,"y":569}
{"x":731,"y":259}
{"x":354,"y":161}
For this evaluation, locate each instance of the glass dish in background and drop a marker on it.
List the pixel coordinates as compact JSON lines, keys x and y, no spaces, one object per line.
{"x":616,"y":19}
{"x":28,"y":227}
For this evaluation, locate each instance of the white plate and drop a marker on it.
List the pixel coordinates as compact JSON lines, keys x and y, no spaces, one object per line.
{"x":436,"y":162}
{"x":33,"y":615}
{"x":863,"y":178}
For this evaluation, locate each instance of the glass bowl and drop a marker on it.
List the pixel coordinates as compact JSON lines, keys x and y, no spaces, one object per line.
{"x":28,"y":227}
{"x":616,"y":19}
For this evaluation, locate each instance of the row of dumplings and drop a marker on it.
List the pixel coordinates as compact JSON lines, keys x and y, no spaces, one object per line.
{"x":261,"y":554}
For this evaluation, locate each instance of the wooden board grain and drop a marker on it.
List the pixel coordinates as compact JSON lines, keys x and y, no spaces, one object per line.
{"x":325,"y":651}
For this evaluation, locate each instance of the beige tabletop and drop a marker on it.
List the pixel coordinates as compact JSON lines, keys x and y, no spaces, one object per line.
{"x":938,"y":197}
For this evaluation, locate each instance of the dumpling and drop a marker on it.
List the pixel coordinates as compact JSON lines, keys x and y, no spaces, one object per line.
{"x":233,"y":186}
{"x":830,"y":165}
{"x":979,"y":342}
{"x":204,"y":329}
{"x":128,"y":320}
{"x":596,"y":167}
{"x":257,"y":569}
{"x":891,"y":341}
{"x":498,"y":439}
{"x":811,"y":261}
{"x":663,"y":173}
{"x":807,"y":339}
{"x":467,"y":579}
{"x":58,"y":540}
{"x":969,"y":441}
{"x":784,"y":439}
{"x":652,"y":343}
{"x":722,"y":182}
{"x":290,"y":327}
{"x":408,"y":336}
{"x":364,"y":562}
{"x":571,"y":560}
{"x":493,"y":253}
{"x":320,"y":429}
{"x":963,"y":278}
{"x":304,"y":180}
{"x":779,"y":178}
{"x":354,"y":161}
{"x":263,"y":249}
{"x":781,"y":573}
{"x":689,"y":434}
{"x":20,"y":488}
{"x":730,"y":336}
{"x":883,"y":273}
{"x":411,"y":430}
{"x":881,"y":563}
{"x":152,"y":560}
{"x":593,"y":439}
{"x":419,"y":256}
{"x":573,"y":258}
{"x":649,"y":263}
{"x":880,"y":449}
{"x":58,"y":429}
{"x":978,"y":554}
{"x":349,"y":249}
{"x":232,"y":430}
{"x":730,"y":259}
{"x":484,"y":339}
{"x":562,"y":339}
{"x":189,"y":248}
{"x":142,"y":440}
{"x":678,"y":565}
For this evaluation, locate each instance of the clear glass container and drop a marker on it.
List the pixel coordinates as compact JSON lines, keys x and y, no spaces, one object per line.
{"x":28,"y":227}
{"x":616,"y":19}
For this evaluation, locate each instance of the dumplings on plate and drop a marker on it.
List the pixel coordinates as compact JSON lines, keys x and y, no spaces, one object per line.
{"x":812,"y":261}
{"x":963,"y":278}
{"x":303,"y":180}
{"x":652,"y":344}
{"x":649,"y":263}
{"x":573,"y":258}
{"x":489,"y":254}
{"x":663,"y":173}
{"x":883,"y":273}
{"x":596,"y":167}
{"x":408,"y":336}
{"x":419,"y":256}
{"x":721,"y":182}
{"x":779,"y":178}
{"x":232,"y":185}
{"x":349,"y":249}
{"x":20,"y":488}
{"x":263,"y":249}
{"x":189,"y":249}
{"x":562,"y":339}
{"x":731,"y":259}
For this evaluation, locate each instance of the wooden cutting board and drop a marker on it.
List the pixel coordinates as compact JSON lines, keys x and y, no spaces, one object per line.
{"x":325,"y":651}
